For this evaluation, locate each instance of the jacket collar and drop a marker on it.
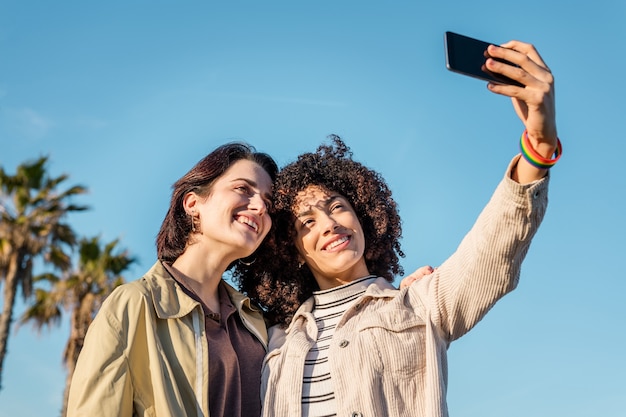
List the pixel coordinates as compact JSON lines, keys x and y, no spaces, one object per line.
{"x":170,"y":301}
{"x":380,"y":288}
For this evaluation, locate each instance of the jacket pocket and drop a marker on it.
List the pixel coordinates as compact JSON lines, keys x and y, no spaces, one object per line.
{"x":399,"y":339}
{"x":397,"y":320}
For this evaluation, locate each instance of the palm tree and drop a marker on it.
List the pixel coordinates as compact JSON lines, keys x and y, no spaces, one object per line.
{"x":31,"y":228}
{"x":80,"y":291}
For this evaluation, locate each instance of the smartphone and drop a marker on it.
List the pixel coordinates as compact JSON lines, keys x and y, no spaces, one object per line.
{"x":467,"y":56}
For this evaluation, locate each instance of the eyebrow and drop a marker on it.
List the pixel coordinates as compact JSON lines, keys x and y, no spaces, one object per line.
{"x":324,"y":203}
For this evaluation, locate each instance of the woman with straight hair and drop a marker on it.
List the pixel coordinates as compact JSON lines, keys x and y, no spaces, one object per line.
{"x":180,"y":341}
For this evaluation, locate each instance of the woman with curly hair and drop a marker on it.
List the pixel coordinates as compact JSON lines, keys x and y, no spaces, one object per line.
{"x":345,"y":341}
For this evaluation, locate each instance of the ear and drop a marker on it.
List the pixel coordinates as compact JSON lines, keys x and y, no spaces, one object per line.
{"x":190,"y":202}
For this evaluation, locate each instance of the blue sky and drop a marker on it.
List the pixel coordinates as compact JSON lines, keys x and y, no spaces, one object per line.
{"x":126,"y":96}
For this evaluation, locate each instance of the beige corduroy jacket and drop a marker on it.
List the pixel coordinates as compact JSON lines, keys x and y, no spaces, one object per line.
{"x":389,"y":351}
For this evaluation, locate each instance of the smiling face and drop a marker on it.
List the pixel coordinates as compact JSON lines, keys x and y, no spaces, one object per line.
{"x":233,"y":218}
{"x":329,"y":237}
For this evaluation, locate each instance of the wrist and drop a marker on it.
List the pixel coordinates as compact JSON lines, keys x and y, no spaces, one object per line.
{"x":544,"y":146}
{"x":541,"y":155}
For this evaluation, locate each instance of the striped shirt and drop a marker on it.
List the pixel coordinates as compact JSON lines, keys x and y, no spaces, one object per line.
{"x":318,"y":396}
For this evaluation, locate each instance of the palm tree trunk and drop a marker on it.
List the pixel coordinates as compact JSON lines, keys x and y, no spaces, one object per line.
{"x":10,"y":290}
{"x":66,"y":392}
{"x":79,"y":323}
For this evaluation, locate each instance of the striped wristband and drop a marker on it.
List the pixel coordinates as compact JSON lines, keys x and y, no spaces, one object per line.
{"x":533,"y":157}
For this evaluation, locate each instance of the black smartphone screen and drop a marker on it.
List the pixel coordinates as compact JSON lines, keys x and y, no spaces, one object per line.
{"x":467,"y":55}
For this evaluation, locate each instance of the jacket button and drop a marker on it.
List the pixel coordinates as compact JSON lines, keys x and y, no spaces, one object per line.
{"x":343,"y":344}
{"x":357,"y":414}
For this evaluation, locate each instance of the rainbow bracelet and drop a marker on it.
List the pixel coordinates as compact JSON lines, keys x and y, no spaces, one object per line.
{"x":534,"y":158}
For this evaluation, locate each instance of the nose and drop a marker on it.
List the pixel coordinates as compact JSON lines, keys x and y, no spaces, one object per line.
{"x":258,"y":203}
{"x":329,"y":224}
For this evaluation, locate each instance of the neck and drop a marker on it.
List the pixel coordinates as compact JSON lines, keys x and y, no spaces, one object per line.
{"x":201,"y":275}
{"x":327,"y":281}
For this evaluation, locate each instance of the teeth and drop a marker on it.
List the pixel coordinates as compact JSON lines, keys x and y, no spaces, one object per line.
{"x":249,"y":222}
{"x":337,"y":243}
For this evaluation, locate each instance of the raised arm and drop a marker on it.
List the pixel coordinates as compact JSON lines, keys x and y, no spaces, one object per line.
{"x":488,"y":261}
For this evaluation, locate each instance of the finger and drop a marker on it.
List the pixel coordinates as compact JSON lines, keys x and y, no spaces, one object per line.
{"x":422,"y":271}
{"x":526,"y":49}
{"x":536,"y":94}
{"x":406,"y":282}
{"x":536,"y":90}
{"x":526,"y":60}
{"x":415,"y":275}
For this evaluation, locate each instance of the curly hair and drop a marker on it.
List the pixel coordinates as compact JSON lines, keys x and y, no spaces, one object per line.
{"x":275,"y":280}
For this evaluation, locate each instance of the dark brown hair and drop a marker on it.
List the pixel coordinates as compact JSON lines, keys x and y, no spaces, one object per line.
{"x":176,"y":227}
{"x":275,"y":280}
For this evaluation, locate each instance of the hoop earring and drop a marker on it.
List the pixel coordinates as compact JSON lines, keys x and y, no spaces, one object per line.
{"x":241,"y":261}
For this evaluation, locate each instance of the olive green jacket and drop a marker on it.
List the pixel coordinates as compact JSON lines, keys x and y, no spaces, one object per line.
{"x":146,"y":352}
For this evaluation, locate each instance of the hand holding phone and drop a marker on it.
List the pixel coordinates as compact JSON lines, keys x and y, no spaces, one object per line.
{"x":467,"y":56}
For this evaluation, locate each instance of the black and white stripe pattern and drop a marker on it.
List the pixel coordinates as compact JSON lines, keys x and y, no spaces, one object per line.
{"x":318,"y":396}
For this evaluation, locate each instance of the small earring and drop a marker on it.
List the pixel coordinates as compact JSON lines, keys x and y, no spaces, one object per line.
{"x":193,"y":221}
{"x":247,"y":263}
{"x":300,"y":264}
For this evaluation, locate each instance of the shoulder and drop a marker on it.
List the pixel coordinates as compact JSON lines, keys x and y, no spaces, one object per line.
{"x":129,"y":299}
{"x":130,"y":292}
